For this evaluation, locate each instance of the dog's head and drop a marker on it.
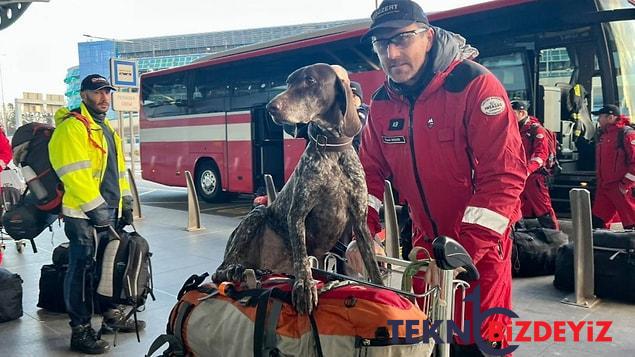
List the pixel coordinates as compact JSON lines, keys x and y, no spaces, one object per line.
{"x":320,"y":94}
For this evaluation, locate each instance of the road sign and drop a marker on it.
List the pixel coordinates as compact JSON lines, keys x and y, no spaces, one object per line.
{"x":124,"y":73}
{"x":125,"y":101}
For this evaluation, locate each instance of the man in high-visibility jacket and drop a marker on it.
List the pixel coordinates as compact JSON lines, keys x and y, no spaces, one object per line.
{"x":87,"y":156}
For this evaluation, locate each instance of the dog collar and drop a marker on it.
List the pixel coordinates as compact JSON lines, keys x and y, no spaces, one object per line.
{"x":326,"y":143}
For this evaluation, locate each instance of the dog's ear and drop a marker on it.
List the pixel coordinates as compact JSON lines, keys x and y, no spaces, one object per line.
{"x":351,"y":123}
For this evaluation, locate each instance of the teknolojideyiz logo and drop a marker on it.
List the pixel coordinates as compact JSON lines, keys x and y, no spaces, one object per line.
{"x":497,"y":331}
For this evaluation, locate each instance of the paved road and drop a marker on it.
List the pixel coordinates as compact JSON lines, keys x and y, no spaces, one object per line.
{"x":157,"y":195}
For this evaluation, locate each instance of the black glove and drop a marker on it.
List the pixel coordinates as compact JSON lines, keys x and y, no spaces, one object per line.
{"x":126,"y":212}
{"x":99,"y":216}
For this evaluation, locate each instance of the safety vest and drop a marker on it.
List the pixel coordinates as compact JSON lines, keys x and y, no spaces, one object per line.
{"x":79,"y":158}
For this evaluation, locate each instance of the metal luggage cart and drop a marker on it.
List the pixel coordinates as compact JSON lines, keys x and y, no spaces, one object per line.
{"x":438,"y":302}
{"x":12,"y":188}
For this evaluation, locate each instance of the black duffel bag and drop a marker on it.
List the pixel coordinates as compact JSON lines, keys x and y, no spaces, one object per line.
{"x":51,"y":295}
{"x":534,"y":251}
{"x":10,"y":296}
{"x":613,"y":261}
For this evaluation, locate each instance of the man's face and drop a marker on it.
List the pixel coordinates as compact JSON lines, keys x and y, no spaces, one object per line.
{"x":606,"y":120}
{"x":97,"y":100}
{"x":402,"y":52}
{"x":520,"y":114}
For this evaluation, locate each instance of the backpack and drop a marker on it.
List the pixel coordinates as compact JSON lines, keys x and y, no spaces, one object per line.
{"x":24,"y":220}
{"x":124,"y":271}
{"x":31,"y":153}
{"x":552,"y":166}
{"x":621,"y":136}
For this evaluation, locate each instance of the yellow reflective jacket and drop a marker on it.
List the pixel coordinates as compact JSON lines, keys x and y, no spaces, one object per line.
{"x":79,"y":159}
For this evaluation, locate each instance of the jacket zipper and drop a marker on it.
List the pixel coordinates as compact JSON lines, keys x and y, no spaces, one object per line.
{"x":422,"y":194}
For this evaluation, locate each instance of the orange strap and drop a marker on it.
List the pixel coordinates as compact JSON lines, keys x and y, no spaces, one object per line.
{"x":86,"y":123}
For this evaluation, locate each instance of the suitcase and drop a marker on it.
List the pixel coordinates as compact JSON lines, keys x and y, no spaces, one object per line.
{"x":534,"y":251}
{"x":51,"y":296}
{"x":613,"y":261}
{"x":10,"y":296}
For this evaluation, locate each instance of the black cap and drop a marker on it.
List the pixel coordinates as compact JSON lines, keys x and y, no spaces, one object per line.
{"x":607,"y":109}
{"x":519,"y":105}
{"x":95,"y":82}
{"x":357,"y":90}
{"x":394,"y":14}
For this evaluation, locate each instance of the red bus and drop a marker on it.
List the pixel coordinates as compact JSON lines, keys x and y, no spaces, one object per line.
{"x":208,"y":117}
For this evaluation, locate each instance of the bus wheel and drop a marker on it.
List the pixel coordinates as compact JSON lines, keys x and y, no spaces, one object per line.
{"x":207,"y":183}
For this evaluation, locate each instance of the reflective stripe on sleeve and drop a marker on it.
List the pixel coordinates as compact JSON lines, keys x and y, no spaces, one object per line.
{"x":486,"y":218}
{"x":374,"y":202}
{"x":630,"y":176}
{"x":76,"y":166}
{"x":538,"y":160}
{"x":92,"y":204}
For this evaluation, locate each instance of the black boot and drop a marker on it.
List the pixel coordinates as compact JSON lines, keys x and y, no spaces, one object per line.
{"x":84,"y":339}
{"x":115,"y":320}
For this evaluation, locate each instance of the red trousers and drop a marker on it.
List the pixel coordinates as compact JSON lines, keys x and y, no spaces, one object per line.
{"x":495,"y":284}
{"x":535,"y":199}
{"x":611,"y":205}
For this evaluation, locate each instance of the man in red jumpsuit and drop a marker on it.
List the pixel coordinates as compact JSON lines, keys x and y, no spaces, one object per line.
{"x":535,"y":199}
{"x":441,"y":129}
{"x":615,"y":162}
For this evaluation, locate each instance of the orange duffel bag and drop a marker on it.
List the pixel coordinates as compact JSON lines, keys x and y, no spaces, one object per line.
{"x":351,"y":319}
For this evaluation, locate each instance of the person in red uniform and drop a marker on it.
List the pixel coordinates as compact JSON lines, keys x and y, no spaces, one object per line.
{"x":5,"y":157}
{"x":442,"y":130}
{"x":535,"y":199}
{"x":615,"y":162}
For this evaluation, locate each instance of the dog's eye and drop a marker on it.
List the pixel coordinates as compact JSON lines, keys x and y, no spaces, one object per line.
{"x":309,"y":80}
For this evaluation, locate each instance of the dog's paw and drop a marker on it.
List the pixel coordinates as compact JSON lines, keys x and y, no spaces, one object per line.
{"x":232,"y":272}
{"x":305,"y":295}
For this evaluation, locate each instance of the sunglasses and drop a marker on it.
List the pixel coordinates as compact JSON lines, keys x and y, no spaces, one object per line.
{"x":401,"y":40}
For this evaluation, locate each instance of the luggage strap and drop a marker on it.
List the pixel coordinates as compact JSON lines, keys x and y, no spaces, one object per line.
{"x":192,"y":283}
{"x":265,"y":342}
{"x":175,"y":348}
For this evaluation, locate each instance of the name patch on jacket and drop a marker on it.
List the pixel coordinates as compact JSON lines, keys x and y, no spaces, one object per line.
{"x":492,"y":105}
{"x":396,"y":124}
{"x":394,"y":139}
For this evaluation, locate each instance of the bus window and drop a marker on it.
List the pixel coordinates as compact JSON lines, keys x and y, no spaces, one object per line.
{"x":210,"y":92}
{"x":510,"y":69}
{"x":164,"y":96}
{"x":555,"y":67}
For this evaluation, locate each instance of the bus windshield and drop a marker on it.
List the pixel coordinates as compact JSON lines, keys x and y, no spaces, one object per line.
{"x":623,"y":54}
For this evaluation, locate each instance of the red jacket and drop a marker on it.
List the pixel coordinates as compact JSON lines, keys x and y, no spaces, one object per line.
{"x":5,"y":149}
{"x":455,"y":156}
{"x":616,"y":162}
{"x":535,"y":143}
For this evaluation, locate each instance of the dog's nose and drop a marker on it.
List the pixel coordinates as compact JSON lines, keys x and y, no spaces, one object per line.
{"x":273,"y":108}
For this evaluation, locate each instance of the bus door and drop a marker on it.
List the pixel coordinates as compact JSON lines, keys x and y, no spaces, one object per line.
{"x":268,"y":156}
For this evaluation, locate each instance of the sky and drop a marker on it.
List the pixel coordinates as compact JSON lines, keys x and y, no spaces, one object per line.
{"x":41,"y":45}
